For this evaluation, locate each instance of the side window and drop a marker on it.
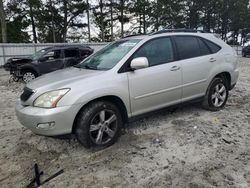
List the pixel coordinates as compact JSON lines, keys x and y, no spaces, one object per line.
{"x":71,"y":53}
{"x":84,"y":53}
{"x":213,"y":47}
{"x":187,"y":46}
{"x":204,"y":50}
{"x":157,"y":51}
{"x":54,"y":54}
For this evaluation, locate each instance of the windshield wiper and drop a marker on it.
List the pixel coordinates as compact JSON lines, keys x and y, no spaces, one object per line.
{"x":89,"y":67}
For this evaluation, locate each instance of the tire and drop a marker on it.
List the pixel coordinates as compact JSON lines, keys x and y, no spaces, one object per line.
{"x":28,"y":75}
{"x":216,"y":97}
{"x":92,"y":128}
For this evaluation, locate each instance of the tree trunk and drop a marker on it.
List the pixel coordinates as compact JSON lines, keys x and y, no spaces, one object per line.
{"x":3,"y":23}
{"x":89,"y":37}
{"x":144,"y":20}
{"x":122,"y":18}
{"x":102,"y":19}
{"x":111,"y":19}
{"x":33,"y":22}
{"x":65,"y":22}
{"x":52,"y":20}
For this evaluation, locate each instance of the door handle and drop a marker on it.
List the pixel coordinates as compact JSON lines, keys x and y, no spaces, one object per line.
{"x":212,"y":60}
{"x":175,"y":68}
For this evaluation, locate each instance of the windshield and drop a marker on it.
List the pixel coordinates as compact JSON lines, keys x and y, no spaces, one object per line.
{"x":109,"y":56}
{"x":38,"y":54}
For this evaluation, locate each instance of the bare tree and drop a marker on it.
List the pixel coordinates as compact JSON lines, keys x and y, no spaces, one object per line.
{"x":3,"y":23}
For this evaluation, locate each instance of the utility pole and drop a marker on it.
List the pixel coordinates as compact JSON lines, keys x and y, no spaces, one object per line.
{"x":3,"y":23}
{"x":52,"y":20}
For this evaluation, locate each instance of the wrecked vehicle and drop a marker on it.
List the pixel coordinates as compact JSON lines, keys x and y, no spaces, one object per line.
{"x":45,"y":61}
{"x":126,"y":79}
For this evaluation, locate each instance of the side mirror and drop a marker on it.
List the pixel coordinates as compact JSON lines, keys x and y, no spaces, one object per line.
{"x":139,"y":63}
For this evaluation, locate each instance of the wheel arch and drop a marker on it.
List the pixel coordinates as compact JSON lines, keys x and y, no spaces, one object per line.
{"x":109,"y":98}
{"x":225,"y":76}
{"x":29,"y":67}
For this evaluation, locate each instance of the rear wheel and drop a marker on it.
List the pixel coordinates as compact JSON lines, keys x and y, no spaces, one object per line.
{"x":217,"y":95}
{"x":98,"y":124}
{"x":28,"y":75}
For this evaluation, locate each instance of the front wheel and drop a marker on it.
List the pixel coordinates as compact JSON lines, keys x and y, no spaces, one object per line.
{"x":28,"y":76}
{"x":216,"y":96}
{"x":98,"y":124}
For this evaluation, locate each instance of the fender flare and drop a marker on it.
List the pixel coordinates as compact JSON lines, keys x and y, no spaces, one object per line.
{"x":30,"y":67}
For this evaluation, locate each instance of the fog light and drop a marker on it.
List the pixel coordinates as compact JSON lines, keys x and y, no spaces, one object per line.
{"x":45,"y":126}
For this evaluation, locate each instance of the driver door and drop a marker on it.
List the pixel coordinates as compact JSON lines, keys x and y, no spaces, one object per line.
{"x":158,"y":85}
{"x":51,"y":61}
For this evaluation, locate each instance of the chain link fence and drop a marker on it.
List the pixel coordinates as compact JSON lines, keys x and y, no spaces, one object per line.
{"x":23,"y":50}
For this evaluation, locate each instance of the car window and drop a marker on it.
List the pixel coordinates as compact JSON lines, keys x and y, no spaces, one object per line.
{"x":54,"y":54}
{"x":204,"y":50}
{"x":213,"y":47}
{"x":157,"y":51}
{"x":83,"y":53}
{"x":187,"y":46}
{"x":109,"y":56}
{"x":71,"y":53}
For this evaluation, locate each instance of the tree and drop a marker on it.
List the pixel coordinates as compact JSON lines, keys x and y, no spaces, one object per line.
{"x":3,"y":23}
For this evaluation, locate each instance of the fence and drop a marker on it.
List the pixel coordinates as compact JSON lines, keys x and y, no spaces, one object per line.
{"x":21,"y":50}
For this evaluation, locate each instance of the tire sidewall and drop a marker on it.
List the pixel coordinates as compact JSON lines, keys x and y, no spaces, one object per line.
{"x":215,"y":82}
{"x":84,"y":120}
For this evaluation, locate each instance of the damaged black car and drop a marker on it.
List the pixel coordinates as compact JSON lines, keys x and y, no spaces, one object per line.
{"x":45,"y":61}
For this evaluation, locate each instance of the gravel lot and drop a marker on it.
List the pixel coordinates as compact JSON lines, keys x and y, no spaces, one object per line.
{"x":189,"y":147}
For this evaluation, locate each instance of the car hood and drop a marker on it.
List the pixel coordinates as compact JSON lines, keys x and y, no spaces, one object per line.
{"x":61,"y":78}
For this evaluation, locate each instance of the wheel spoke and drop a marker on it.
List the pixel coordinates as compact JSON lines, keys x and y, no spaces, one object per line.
{"x":222,"y":97}
{"x":111,"y":119}
{"x":110,"y":132}
{"x":216,"y":102}
{"x":217,"y":88}
{"x":102,"y":116}
{"x":214,"y":96}
{"x":99,"y":136}
{"x":222,"y":89}
{"x":94,"y":127}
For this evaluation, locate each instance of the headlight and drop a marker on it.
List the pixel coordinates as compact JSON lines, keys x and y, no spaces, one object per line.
{"x":50,"y":99}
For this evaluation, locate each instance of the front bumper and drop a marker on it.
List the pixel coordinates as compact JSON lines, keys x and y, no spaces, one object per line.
{"x":60,"y":119}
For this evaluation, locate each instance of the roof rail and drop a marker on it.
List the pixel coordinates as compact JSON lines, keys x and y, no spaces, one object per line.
{"x":177,"y":30}
{"x":135,"y":35}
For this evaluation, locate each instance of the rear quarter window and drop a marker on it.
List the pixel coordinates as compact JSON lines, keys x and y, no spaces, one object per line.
{"x":212,"y":46}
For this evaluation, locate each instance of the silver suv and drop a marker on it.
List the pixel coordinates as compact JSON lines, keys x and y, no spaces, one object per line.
{"x":128,"y":78}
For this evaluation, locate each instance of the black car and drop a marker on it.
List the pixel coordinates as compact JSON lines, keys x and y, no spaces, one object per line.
{"x":246,"y":51}
{"x":46,"y":60}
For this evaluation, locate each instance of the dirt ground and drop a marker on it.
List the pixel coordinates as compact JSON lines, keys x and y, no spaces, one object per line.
{"x":189,"y":147}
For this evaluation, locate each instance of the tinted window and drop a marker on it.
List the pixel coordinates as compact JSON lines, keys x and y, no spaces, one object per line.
{"x":84,"y":53}
{"x":71,"y":53}
{"x":54,"y":54}
{"x":204,"y":50}
{"x":213,"y":47}
{"x":157,"y":51}
{"x":187,"y":46}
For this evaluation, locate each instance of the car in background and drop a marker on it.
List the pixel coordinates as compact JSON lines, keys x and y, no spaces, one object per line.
{"x":46,"y":60}
{"x":246,"y":51}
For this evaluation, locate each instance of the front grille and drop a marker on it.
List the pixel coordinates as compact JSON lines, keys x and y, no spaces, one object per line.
{"x":26,"y":94}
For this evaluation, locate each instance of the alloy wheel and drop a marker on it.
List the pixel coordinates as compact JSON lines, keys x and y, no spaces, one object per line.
{"x":103,"y":127}
{"x":219,"y":95}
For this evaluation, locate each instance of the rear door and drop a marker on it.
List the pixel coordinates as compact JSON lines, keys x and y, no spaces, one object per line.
{"x":159,"y":85}
{"x":71,"y":57}
{"x":197,"y":57}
